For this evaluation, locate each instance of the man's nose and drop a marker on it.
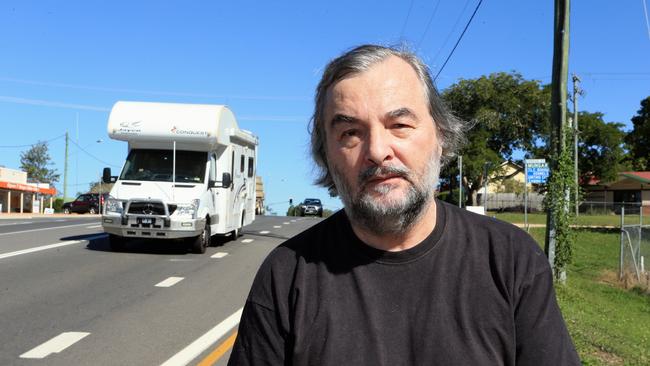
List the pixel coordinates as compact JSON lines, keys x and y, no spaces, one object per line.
{"x":379,"y":148}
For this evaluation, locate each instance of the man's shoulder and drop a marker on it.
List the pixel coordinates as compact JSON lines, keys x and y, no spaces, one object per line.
{"x":505,"y":239}
{"x":475,"y":221}
{"x":313,"y":242}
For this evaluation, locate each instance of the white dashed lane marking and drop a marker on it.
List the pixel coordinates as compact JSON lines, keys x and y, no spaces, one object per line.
{"x":247,"y":240}
{"x":286,"y":222}
{"x":55,"y":345}
{"x":264,"y":232}
{"x":171,"y":281}
{"x":219,"y":255}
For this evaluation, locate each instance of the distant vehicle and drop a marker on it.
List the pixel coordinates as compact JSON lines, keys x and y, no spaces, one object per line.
{"x":310,"y":206}
{"x":85,"y":203}
{"x":189,"y":174}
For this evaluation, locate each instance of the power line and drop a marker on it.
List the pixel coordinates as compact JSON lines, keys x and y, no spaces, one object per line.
{"x":408,"y":14}
{"x":426,"y":29}
{"x":459,"y":38}
{"x":453,"y":28}
{"x":155,"y":92}
{"x":30,"y":145}
{"x":92,"y":156}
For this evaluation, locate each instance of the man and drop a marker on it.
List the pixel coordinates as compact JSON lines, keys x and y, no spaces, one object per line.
{"x":397,"y":277}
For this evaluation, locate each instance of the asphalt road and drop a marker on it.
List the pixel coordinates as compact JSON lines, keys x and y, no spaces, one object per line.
{"x":66,"y":299}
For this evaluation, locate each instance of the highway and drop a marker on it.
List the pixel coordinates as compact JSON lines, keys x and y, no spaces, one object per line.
{"x":66,"y":299}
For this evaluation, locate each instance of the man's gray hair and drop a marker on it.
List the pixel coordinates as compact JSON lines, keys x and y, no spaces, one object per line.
{"x":451,"y":129}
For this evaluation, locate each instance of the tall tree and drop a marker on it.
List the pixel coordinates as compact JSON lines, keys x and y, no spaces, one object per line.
{"x":638,"y":140}
{"x":36,"y":162}
{"x":600,"y":147}
{"x":508,"y":113}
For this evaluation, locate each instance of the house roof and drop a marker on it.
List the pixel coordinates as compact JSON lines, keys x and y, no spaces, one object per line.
{"x":643,"y":177}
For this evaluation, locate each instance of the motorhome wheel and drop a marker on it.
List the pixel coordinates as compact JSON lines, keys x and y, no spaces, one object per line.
{"x":201,"y":242}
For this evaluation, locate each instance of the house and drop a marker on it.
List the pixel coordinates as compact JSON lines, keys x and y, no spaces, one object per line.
{"x":505,"y":189}
{"x":629,"y":188}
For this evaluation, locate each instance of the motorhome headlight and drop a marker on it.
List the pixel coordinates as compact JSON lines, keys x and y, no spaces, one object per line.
{"x":187,"y":209}
{"x":113,"y":206}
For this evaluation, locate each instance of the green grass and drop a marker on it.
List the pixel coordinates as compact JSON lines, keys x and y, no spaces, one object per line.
{"x":609,"y":325}
{"x":591,"y":220}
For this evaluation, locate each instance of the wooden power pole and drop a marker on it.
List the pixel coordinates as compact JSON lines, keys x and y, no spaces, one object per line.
{"x":558,"y":113}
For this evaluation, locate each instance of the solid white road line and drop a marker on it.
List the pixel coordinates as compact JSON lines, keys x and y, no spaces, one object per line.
{"x":219,"y":255}
{"x":189,"y":353}
{"x":247,"y":240}
{"x":49,"y":246}
{"x":263,"y":232}
{"x":55,"y":345}
{"x":45,"y":228}
{"x":93,"y":227}
{"x":18,"y":223}
{"x":171,"y":281}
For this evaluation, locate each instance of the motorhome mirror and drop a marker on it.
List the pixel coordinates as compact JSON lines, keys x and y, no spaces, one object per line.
{"x":106,"y":175}
{"x":226,"y":180}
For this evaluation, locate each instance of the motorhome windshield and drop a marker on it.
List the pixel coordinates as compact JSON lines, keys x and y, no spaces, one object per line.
{"x":156,"y":165}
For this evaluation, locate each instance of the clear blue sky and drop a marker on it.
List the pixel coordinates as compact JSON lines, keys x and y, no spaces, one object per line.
{"x":74,"y":59}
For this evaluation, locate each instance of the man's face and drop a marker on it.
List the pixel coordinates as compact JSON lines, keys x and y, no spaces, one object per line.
{"x":382,"y":145}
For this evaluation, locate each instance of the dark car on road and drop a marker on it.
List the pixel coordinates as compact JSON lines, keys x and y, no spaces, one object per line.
{"x":310,"y":206}
{"x":85,"y":203}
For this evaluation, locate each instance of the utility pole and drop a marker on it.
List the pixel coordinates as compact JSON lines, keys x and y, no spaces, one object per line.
{"x":576,"y":91}
{"x":460,"y":181}
{"x":558,"y":117}
{"x":65,"y":169}
{"x":485,"y":184}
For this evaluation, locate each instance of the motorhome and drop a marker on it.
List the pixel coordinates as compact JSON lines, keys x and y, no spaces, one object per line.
{"x":189,"y":174}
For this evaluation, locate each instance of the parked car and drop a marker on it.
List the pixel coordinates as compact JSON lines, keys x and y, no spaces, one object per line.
{"x":310,"y":206}
{"x":85,"y":203}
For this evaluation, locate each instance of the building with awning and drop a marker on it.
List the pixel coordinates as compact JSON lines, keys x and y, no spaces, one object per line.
{"x":19,"y":196}
{"x":628,"y":187}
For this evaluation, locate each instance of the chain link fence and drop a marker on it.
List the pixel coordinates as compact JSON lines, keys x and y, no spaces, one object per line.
{"x":635,"y":249}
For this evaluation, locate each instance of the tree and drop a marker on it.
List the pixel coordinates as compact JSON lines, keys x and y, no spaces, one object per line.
{"x":508,"y":113}
{"x":36,"y":162}
{"x":600,"y":148}
{"x":638,"y":140}
{"x":100,"y":187}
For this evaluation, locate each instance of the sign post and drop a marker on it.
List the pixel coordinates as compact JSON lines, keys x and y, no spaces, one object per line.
{"x":536,"y":171}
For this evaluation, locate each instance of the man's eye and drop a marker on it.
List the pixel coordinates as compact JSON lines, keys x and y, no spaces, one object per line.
{"x":349,"y":133}
{"x":401,"y":125}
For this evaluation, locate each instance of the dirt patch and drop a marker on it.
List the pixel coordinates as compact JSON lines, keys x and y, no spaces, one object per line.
{"x":629,"y":281}
{"x":607,"y":358}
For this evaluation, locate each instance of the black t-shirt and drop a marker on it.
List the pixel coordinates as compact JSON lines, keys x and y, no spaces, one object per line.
{"x":476,"y":291}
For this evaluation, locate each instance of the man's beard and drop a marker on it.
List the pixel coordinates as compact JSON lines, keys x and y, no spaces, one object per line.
{"x":394,"y":215}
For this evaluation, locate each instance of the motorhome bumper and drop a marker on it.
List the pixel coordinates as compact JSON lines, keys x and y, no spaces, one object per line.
{"x":160,"y":228}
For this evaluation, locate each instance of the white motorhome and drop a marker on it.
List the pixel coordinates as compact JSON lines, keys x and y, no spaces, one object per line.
{"x":189,"y":173}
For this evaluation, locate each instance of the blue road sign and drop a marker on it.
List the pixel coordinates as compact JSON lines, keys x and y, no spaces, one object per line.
{"x":537,"y":171}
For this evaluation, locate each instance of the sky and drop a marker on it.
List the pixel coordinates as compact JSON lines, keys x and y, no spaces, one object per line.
{"x":64,"y":64}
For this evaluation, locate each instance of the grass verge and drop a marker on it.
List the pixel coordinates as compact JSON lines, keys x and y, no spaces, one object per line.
{"x":588,"y":220}
{"x":609,"y":325}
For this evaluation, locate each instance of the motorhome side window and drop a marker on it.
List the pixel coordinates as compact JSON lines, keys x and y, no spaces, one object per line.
{"x":157,"y":165}
{"x":241,"y":164}
{"x":250,"y":167}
